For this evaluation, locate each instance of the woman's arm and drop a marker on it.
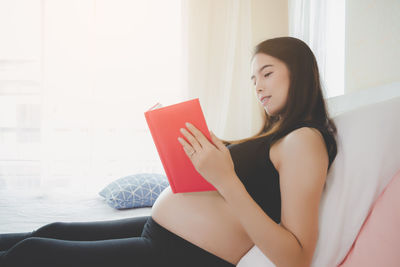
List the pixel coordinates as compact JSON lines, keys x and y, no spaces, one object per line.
{"x":302,"y":163}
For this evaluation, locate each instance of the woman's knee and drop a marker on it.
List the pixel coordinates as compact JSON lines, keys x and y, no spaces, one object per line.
{"x":49,"y":230}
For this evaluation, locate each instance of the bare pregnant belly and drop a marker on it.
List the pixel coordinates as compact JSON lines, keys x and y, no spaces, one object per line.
{"x":204,"y":219}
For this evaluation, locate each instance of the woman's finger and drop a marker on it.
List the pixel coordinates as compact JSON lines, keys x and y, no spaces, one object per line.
{"x":218,"y":143}
{"x":191,"y":139}
{"x":186,"y":147}
{"x":198,"y":135}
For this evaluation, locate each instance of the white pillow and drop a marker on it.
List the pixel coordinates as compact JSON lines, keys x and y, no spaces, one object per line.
{"x":255,"y":258}
{"x":368,"y":156}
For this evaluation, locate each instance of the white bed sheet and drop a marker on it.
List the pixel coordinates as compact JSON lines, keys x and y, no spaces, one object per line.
{"x":24,"y":211}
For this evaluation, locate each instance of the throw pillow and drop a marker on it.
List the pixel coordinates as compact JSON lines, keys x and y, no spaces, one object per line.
{"x":134,"y":191}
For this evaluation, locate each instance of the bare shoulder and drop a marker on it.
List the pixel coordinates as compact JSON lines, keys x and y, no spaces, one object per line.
{"x":301,"y":141}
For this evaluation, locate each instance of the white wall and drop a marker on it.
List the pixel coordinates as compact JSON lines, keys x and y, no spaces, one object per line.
{"x":372,"y":43}
{"x":269,"y":19}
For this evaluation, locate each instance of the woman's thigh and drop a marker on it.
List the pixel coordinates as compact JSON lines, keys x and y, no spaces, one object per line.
{"x":46,"y":252}
{"x":91,"y":231}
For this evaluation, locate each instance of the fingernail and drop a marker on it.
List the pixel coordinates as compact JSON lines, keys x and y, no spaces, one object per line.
{"x":188,"y":124}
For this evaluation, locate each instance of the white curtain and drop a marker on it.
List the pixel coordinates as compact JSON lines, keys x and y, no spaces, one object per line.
{"x":321,"y":24}
{"x":75,"y":83}
{"x":217,"y":43}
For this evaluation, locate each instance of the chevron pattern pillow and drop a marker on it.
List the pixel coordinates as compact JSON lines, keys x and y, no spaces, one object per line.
{"x":134,"y":191}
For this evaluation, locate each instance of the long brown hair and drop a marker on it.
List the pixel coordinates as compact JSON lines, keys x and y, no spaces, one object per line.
{"x":305,"y":102}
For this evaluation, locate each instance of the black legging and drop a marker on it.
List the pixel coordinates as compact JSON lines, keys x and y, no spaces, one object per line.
{"x":138,"y":241}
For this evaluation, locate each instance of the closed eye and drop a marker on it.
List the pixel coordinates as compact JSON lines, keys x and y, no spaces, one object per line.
{"x":266,"y":75}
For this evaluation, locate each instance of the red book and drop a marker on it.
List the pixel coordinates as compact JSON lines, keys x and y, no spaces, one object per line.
{"x":164,"y":124}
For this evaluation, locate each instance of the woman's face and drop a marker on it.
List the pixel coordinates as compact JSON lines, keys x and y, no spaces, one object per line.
{"x":271,"y":80}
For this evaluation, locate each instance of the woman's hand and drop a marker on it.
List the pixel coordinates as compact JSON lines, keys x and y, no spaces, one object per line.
{"x":212,"y":161}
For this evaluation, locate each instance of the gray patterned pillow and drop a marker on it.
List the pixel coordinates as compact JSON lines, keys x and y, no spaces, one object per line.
{"x":134,"y":191}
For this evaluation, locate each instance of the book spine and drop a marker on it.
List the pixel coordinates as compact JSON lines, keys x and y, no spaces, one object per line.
{"x":158,"y":147}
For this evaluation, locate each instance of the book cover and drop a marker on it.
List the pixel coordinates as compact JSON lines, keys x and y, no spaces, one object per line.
{"x":164,"y":124}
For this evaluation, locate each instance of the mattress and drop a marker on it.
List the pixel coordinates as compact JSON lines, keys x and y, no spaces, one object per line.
{"x":25,"y":210}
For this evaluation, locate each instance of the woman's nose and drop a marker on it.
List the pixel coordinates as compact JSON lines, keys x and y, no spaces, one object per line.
{"x":258,"y":86}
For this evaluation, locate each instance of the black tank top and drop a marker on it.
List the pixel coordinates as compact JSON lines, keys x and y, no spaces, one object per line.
{"x":258,"y":174}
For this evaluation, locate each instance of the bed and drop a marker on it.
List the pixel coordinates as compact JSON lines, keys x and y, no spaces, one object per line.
{"x":343,"y":208}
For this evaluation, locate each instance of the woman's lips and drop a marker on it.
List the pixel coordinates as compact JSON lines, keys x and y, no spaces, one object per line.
{"x":265,"y":100}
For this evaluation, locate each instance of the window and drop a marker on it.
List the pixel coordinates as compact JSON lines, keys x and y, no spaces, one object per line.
{"x":321,"y":24}
{"x":74,"y":84}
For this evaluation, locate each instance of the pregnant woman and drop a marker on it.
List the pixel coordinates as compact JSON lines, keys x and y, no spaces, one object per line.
{"x":268,"y":188}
